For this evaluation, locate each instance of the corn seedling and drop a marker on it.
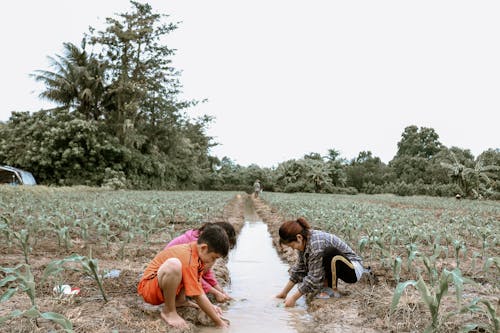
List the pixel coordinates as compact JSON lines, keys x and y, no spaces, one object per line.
{"x":493,"y":325}
{"x":430,"y":265}
{"x":412,"y":252}
{"x":23,"y":237}
{"x":432,"y":298}
{"x":89,"y":267}
{"x":458,"y":246}
{"x":396,"y":268}
{"x":23,"y":280}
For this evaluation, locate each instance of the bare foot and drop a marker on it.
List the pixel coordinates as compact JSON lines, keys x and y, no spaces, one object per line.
{"x":185,"y":302}
{"x":173,"y":319}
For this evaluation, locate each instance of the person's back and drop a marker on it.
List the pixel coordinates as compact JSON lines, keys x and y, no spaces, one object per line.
{"x":257,"y":188}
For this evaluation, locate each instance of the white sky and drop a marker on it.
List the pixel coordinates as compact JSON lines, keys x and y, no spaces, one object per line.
{"x":285,"y":78}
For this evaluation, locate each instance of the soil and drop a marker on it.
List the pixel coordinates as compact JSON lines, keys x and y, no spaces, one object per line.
{"x":363,"y":307}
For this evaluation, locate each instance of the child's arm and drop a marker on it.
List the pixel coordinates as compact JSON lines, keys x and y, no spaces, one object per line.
{"x":207,"y":307}
{"x":208,"y":278}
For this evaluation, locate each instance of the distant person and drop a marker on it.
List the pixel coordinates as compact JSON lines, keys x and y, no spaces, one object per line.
{"x":176,"y":272}
{"x":208,"y":280}
{"x":323,"y":259}
{"x":257,"y":188}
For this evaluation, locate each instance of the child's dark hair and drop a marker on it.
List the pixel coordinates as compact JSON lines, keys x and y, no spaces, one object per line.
{"x":228,"y":227}
{"x":290,"y":229}
{"x":216,"y":239}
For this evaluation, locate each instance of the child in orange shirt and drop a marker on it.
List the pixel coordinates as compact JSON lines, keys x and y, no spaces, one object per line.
{"x":176,"y":273}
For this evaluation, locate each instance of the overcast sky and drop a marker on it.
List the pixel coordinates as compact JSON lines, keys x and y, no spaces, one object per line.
{"x":284,"y":78}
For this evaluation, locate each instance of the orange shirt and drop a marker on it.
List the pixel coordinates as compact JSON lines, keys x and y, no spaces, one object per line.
{"x":192,"y":267}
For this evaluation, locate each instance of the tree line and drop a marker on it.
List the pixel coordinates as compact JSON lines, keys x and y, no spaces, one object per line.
{"x":120,"y":123}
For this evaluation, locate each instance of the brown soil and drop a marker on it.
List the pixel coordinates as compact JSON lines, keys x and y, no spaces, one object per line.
{"x":363,"y":307}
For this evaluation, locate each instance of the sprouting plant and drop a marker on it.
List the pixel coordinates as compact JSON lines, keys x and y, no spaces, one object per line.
{"x":124,"y":242}
{"x":475,"y":255}
{"x":490,"y":311}
{"x":430,"y":265}
{"x":89,"y":267}
{"x":6,"y":231}
{"x":412,"y":252}
{"x":432,"y":298}
{"x":20,"y":278}
{"x":396,"y":268}
{"x":458,"y":246}
{"x":23,"y":237}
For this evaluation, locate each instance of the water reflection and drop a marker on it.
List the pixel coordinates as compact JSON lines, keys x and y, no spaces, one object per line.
{"x":257,"y":275}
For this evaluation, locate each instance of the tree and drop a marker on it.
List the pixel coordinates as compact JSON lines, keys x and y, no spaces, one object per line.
{"x":144,"y":87}
{"x":416,"y":149}
{"x":61,"y":148}
{"x":473,"y":181}
{"x":365,"y":169}
{"x":77,"y":82}
{"x":415,"y":142}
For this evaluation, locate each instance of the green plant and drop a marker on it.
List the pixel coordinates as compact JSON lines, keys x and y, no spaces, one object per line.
{"x":432,"y":298}
{"x":89,"y":266}
{"x":23,"y":280}
{"x":23,"y":237}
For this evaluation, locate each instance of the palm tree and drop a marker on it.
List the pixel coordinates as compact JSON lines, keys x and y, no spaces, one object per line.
{"x":77,"y":82}
{"x":470,"y":180}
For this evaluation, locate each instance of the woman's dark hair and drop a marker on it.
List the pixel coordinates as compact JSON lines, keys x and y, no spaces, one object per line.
{"x":290,"y":229}
{"x":228,"y":227}
{"x":216,"y":239}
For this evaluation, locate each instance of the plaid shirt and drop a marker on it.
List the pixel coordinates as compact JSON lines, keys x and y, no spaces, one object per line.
{"x":309,"y":269}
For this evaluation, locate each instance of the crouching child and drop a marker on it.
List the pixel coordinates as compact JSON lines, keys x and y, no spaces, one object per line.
{"x":176,"y":272}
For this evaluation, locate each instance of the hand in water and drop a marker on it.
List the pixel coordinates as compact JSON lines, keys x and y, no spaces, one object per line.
{"x":289,"y":302}
{"x":222,"y":297}
{"x":281,"y":295}
{"x":218,"y":310}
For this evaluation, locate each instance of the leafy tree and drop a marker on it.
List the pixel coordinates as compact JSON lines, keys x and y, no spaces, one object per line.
{"x":416,"y":149}
{"x":336,"y":168}
{"x":473,"y":181}
{"x":415,"y":142}
{"x":60,"y":148}
{"x":365,"y":169}
{"x":77,"y":82}
{"x":144,"y":87}
{"x":119,"y":113}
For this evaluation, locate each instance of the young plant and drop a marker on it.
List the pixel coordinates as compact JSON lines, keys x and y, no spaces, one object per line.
{"x":89,"y":267}
{"x":396,"y":268}
{"x":494,"y":321}
{"x":23,"y":237}
{"x":23,"y":280}
{"x":432,"y":298}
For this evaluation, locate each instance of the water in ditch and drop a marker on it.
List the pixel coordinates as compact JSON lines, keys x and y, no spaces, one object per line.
{"x":257,"y":276}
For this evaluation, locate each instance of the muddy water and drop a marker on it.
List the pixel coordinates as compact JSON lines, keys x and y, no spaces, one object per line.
{"x":257,"y":275}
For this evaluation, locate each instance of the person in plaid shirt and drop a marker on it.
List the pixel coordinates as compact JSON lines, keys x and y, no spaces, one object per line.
{"x":323,"y":259}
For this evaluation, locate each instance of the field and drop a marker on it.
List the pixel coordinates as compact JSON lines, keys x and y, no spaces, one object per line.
{"x":443,"y":252}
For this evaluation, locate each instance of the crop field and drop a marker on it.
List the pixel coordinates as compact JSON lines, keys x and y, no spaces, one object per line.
{"x":437,"y":260}
{"x":52,"y":236}
{"x":442,"y":251}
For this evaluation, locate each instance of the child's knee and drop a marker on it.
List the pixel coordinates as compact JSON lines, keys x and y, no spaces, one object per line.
{"x":172,"y":267}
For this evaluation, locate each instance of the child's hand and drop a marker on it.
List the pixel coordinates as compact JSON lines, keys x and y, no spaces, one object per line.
{"x":224,"y":323}
{"x":217,"y":310}
{"x":222,"y":297}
